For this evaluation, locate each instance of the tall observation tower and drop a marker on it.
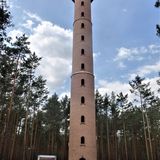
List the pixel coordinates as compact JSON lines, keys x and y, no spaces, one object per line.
{"x":82,"y":138}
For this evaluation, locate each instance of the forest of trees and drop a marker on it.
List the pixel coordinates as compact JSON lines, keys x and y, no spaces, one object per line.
{"x":32,"y":124}
{"x":129,"y":130}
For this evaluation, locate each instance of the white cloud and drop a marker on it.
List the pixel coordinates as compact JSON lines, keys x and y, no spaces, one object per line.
{"x":117,"y":86}
{"x":54,"y":45}
{"x":55,"y":70}
{"x":146,"y":70}
{"x":136,"y":53}
{"x":28,"y":24}
{"x":123,"y":53}
{"x":33,"y":16}
{"x":154,"y":49}
{"x":149,"y":69}
{"x":153,"y":84}
{"x":51,"y":40}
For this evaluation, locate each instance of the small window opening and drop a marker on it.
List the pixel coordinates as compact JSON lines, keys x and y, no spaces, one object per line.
{"x":82,"y":100}
{"x":82,"y":119}
{"x":82,"y":66}
{"x":82,"y":51}
{"x":82,"y":25}
{"x":82,"y":140}
{"x":82,"y":38}
{"x":82,"y":82}
{"x":82,"y":3}
{"x":82,"y":14}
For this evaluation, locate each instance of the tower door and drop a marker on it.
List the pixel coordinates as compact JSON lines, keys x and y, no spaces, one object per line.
{"x":82,"y":158}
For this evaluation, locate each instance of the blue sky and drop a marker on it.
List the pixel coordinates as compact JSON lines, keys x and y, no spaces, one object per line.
{"x":124,"y":40}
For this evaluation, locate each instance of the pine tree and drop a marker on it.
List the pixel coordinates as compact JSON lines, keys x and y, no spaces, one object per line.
{"x":122,"y":102}
{"x":100,"y":124}
{"x":65,"y":109}
{"x":145,"y":99}
{"x":106,"y":106}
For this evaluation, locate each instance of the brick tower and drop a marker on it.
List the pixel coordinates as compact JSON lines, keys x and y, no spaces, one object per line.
{"x":82,"y":138}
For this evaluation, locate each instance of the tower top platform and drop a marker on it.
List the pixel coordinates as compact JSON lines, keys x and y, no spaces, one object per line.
{"x":74,"y":0}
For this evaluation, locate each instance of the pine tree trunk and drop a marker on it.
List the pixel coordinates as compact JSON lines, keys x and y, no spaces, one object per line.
{"x":26,"y":118}
{"x":101,"y":140}
{"x":144,"y":128}
{"x":48,"y":145}
{"x":25,"y":135}
{"x":32,"y":136}
{"x":7,"y":138}
{"x":35,"y":137}
{"x":134,"y":146}
{"x":125,"y":140}
{"x":145,"y":136}
{"x":65,"y":142}
{"x":52,"y":143}
{"x":149,"y":136}
{"x":6,"y":130}
{"x":12,"y":93}
{"x":108,"y":142}
{"x":14,"y":139}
